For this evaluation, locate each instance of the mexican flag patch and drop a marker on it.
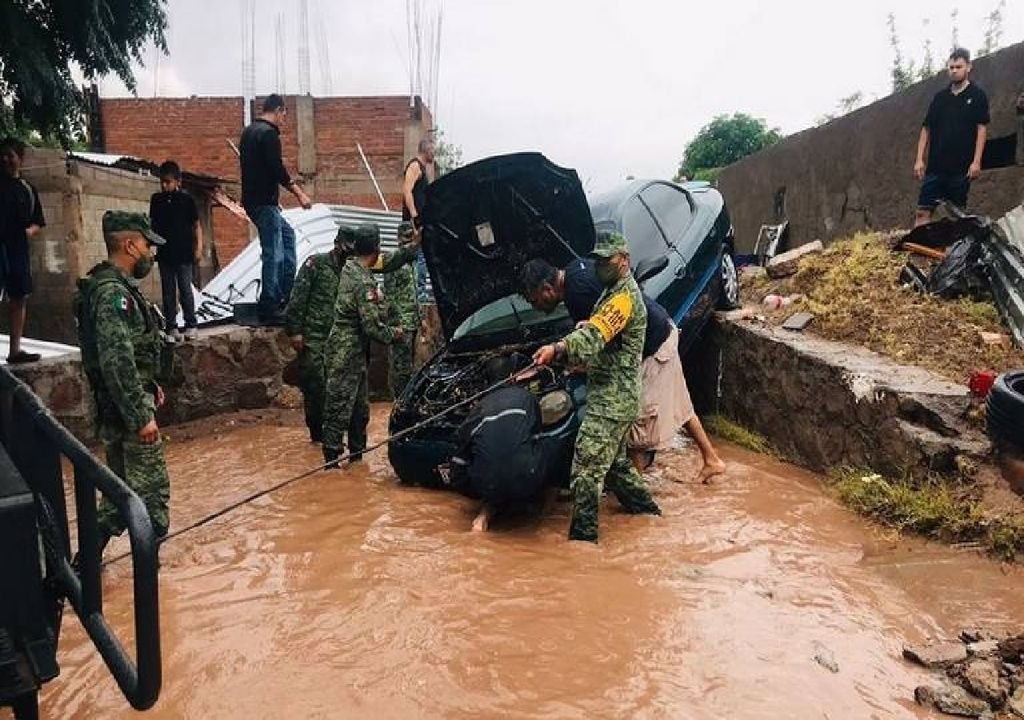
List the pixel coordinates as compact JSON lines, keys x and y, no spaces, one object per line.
{"x":124,"y":304}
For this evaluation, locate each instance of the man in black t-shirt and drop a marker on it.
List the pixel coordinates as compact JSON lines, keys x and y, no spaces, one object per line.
{"x":175,"y":218}
{"x":21,"y":219}
{"x":414,"y":194}
{"x":953,"y":139}
{"x":578,"y":286}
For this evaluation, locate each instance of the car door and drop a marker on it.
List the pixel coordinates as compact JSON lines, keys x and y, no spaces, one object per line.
{"x":647,"y":242}
{"x":672,"y":210}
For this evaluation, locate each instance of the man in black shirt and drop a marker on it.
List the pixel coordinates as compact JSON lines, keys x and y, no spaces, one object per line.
{"x":953,"y":139}
{"x":578,"y":287}
{"x":175,"y":218}
{"x":414,"y":194}
{"x":263,"y":172}
{"x":21,"y":218}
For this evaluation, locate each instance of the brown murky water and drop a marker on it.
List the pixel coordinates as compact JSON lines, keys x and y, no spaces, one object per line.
{"x":346,"y":596}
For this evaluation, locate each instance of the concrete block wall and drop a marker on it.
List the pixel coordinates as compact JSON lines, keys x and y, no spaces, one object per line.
{"x":856,"y":172}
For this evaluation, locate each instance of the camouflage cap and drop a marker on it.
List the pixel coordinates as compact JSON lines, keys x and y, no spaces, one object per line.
{"x":121,"y":221}
{"x":406,"y":230}
{"x":348,"y":234}
{"x":609,"y":244}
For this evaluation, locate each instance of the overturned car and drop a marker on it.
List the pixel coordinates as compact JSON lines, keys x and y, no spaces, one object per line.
{"x":481,"y":224}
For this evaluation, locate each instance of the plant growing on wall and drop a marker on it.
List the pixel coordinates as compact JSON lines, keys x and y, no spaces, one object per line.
{"x":723,"y":141}
{"x":40,"y":42}
{"x":447,"y":155}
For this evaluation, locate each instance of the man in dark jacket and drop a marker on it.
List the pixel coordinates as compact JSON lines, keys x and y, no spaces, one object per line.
{"x":502,"y":456}
{"x":263,"y":172}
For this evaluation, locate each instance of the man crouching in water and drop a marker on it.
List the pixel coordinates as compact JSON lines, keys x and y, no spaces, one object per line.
{"x":502,"y":458}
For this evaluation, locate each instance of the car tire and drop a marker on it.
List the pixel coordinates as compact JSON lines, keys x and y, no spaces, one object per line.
{"x":729,"y":299}
{"x":1005,"y":410}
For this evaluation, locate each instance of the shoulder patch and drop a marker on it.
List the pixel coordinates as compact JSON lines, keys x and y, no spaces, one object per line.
{"x":613,"y":315}
{"x":310,"y":261}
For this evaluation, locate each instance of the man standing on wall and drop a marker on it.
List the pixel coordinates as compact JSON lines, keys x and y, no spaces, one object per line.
{"x":953,"y":139}
{"x":176,"y":219}
{"x":414,"y":195}
{"x":263,"y":172}
{"x":21,"y":218}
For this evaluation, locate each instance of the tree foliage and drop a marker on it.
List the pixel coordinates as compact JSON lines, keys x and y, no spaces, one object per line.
{"x":447,"y":155}
{"x":40,"y":41}
{"x":725,"y":140}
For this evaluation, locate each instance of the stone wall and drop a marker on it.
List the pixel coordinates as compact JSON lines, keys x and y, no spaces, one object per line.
{"x":826,"y":404}
{"x":856,"y":172}
{"x":318,"y":139}
{"x":225,"y":369}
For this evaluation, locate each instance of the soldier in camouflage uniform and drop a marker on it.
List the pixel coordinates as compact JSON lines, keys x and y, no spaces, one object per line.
{"x":310,"y":315}
{"x":360,"y":314}
{"x":119,"y":337}
{"x":609,"y":345}
{"x":404,"y":311}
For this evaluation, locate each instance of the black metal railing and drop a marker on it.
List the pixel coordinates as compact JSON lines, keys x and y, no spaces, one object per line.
{"x":36,"y":442}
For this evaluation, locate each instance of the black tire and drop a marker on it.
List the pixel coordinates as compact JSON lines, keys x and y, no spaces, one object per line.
{"x":729,"y":299}
{"x":1005,"y":410}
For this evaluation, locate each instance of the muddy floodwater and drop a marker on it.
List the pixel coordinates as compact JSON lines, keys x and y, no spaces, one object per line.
{"x":348,"y":596}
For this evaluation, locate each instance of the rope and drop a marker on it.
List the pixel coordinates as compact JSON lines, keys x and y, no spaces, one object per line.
{"x":333,"y":463}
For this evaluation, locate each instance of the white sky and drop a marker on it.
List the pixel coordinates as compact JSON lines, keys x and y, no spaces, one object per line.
{"x":610,"y":87}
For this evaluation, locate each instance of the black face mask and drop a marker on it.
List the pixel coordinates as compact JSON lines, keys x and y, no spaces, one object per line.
{"x":607,"y":274}
{"x":143,"y":266}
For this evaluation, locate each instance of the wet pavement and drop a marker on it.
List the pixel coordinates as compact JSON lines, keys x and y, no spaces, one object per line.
{"x":348,"y":596}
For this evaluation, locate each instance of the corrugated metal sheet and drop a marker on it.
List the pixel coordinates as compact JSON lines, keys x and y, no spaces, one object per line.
{"x":101,"y":158}
{"x":46,"y":349}
{"x":315,"y":230}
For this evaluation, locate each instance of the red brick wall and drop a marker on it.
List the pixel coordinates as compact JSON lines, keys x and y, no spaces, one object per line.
{"x":194,"y":132}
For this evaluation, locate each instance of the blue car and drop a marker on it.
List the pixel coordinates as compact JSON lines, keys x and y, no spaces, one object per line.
{"x":481,"y":224}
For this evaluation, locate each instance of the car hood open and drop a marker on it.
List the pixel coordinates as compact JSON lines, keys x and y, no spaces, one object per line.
{"x":484,"y":221}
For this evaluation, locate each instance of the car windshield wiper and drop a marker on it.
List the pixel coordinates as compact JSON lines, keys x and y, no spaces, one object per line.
{"x":519,"y":320}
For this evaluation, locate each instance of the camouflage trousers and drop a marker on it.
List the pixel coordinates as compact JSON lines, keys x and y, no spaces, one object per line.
{"x":601,"y":458}
{"x":143,"y":469}
{"x":347,"y":407}
{"x":402,"y":360}
{"x":313,"y":379}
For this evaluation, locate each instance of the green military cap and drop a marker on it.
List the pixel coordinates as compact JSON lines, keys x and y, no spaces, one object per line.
{"x":347,"y":234}
{"x":368,"y":231}
{"x":609,"y":244}
{"x":121,"y":221}
{"x":405,"y":231}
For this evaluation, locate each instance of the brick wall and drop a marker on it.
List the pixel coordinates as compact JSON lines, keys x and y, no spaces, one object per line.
{"x":193,"y":131}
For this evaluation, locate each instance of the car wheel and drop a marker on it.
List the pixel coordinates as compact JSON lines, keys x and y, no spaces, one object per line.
{"x":730,"y":297}
{"x":1005,"y":410}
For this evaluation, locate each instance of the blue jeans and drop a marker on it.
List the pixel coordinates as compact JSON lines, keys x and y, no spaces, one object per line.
{"x":277,"y":251}
{"x":944,"y":186}
{"x":423,"y":295}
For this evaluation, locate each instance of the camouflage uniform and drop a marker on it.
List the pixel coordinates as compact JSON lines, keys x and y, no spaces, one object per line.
{"x":610,"y":346}
{"x":119,"y":338}
{"x":310,"y":314}
{"x":404,"y":312}
{"x":360,"y":314}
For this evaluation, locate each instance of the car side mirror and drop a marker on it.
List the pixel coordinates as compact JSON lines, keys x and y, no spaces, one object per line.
{"x":646,"y":269}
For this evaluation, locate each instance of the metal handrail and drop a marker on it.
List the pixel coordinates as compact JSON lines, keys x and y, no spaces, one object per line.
{"x":29,"y":431}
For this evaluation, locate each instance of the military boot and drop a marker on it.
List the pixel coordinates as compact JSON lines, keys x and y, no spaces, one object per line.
{"x":330,"y":458}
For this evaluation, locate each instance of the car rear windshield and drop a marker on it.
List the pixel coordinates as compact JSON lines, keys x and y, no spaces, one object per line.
{"x":509,"y":313}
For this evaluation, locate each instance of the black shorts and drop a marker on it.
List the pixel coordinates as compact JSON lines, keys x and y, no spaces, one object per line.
{"x":936,"y":187}
{"x":15,"y":269}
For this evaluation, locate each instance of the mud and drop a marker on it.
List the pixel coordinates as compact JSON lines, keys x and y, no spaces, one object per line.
{"x":346,"y":596}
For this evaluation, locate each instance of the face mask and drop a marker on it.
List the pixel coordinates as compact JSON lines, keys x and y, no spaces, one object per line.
{"x":607,"y":273}
{"x":142,"y":267}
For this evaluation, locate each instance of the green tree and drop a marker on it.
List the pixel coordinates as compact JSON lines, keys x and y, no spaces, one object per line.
{"x":993,"y":30}
{"x":723,"y":141}
{"x":902,"y":73}
{"x":447,"y":155}
{"x":41,"y":39}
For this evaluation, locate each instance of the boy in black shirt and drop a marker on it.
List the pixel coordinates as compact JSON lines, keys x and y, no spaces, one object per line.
{"x":953,"y":137}
{"x":175,"y":218}
{"x":21,"y":218}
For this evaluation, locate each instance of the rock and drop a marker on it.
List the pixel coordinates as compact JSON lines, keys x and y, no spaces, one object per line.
{"x":937,"y":654}
{"x":787,"y":263}
{"x":1015,"y":705}
{"x":994,"y":339}
{"x":983,"y":647}
{"x":952,"y":700}
{"x":973,"y":635}
{"x":981,"y":677}
{"x":1011,"y":649}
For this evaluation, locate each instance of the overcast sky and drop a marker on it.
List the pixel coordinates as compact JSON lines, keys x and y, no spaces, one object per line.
{"x":612,"y":88}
